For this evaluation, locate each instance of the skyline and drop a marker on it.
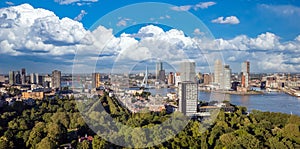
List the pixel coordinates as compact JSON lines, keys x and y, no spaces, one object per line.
{"x":50,"y":39}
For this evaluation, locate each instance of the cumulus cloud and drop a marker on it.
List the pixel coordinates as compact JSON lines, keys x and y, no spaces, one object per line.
{"x":227,"y":20}
{"x":25,"y":31}
{"x":201,"y":5}
{"x":80,"y":2}
{"x":80,"y":16}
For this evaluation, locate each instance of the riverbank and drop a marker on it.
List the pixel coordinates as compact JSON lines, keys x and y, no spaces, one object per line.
{"x":252,"y":92}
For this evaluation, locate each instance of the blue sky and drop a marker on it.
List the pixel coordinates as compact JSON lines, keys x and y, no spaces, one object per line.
{"x":261,"y":31}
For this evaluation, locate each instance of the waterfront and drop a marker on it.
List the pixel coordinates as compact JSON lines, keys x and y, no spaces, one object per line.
{"x":273,"y":102}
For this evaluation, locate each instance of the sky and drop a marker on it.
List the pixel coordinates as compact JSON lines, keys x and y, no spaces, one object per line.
{"x":84,"y":36}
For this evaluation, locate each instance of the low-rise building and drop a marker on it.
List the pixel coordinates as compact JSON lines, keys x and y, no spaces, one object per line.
{"x":34,"y":95}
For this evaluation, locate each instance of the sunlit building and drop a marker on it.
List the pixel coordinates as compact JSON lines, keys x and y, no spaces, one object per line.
{"x":188,"y":97}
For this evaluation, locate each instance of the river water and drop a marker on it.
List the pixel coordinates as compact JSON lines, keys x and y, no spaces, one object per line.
{"x":273,"y":102}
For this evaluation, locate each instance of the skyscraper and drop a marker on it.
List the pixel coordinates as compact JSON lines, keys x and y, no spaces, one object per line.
{"x":96,"y":80}
{"x":245,"y":74}
{"x":226,"y":81}
{"x":56,"y":79}
{"x":11,"y":77}
{"x":23,"y":75}
{"x":33,"y":78}
{"x":159,"y":67}
{"x":218,"y":72}
{"x":187,"y":71}
{"x":17,"y":77}
{"x":188,"y":97}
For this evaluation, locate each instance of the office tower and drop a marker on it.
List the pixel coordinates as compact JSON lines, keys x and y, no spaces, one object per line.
{"x":245,"y":74}
{"x":23,"y":75}
{"x":96,"y":80}
{"x":33,"y":78}
{"x":188,"y":97}
{"x":160,"y":72}
{"x":162,"y":76}
{"x":218,"y":72}
{"x":56,"y":79}
{"x":226,"y":78}
{"x":11,"y":77}
{"x":159,"y":67}
{"x":17,"y":77}
{"x":187,"y":71}
{"x":171,"y":79}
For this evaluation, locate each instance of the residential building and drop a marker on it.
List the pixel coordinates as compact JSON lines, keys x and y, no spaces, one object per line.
{"x":56,"y":79}
{"x":188,"y":97}
{"x":245,"y":74}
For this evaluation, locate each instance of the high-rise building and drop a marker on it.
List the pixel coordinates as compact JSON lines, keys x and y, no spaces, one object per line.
{"x":159,"y":67}
{"x":56,"y":79}
{"x":171,"y":79}
{"x":96,"y":80}
{"x":188,"y":97}
{"x":187,"y":71}
{"x":33,"y":78}
{"x":11,"y":77}
{"x":162,"y":76}
{"x":17,"y":77}
{"x":218,"y":72}
{"x":226,"y":81}
{"x":245,"y":74}
{"x":23,"y":75}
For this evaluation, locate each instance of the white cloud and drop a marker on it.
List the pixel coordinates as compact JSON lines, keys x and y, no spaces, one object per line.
{"x":204,"y":5}
{"x":123,"y":21}
{"x":37,"y":32}
{"x":181,"y":8}
{"x":80,"y":16}
{"x":201,"y":5}
{"x":227,"y":20}
{"x":9,"y":3}
{"x":198,"y":32}
{"x":28,"y":29}
{"x":284,"y":10}
{"x":67,"y":2}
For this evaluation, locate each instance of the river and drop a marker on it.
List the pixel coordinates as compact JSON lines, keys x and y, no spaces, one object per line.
{"x":273,"y":102}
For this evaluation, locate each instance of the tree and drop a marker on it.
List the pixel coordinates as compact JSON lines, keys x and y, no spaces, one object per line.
{"x":56,"y":132}
{"x":36,"y":135}
{"x":5,"y":143}
{"x":46,"y":143}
